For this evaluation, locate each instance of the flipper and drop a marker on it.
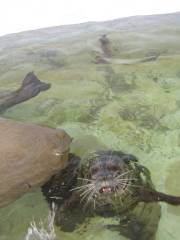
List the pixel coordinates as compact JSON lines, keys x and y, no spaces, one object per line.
{"x":30,"y":87}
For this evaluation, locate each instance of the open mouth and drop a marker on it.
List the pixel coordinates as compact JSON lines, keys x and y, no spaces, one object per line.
{"x":106,"y":189}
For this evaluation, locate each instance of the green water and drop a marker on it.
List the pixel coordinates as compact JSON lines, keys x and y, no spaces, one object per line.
{"x":134,"y":108}
{"x":141,"y":117}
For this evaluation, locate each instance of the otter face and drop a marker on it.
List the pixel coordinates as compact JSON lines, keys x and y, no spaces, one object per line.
{"x":103,"y":173}
{"x":109,"y":176}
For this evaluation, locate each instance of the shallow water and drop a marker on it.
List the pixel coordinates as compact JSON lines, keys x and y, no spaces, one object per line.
{"x":134,"y":108}
{"x":143,"y":121}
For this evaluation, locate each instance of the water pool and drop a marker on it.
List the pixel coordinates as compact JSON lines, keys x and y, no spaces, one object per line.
{"x":134,"y":108}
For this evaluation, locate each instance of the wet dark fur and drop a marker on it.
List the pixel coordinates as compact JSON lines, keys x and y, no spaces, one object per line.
{"x":106,"y":183}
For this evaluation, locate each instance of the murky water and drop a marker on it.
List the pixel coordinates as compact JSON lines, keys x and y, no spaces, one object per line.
{"x":134,"y":108}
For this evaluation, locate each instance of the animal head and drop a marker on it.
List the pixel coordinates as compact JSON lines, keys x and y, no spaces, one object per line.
{"x":106,"y":175}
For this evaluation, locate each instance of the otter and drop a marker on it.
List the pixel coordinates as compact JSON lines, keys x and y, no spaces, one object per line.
{"x":107,"y":183}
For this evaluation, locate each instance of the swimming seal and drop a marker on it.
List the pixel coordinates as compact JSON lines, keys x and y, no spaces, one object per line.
{"x":108,"y":184}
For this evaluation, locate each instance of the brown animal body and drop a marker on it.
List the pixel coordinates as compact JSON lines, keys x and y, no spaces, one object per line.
{"x":29,"y":156}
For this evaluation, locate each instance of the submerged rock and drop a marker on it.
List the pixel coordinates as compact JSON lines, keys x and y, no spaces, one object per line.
{"x":29,"y":156}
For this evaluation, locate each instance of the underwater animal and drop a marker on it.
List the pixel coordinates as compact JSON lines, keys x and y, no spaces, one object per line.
{"x":109,"y":184}
{"x":29,"y":155}
{"x":31,"y":86}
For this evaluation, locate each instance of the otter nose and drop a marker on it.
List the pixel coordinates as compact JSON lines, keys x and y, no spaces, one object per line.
{"x":105,"y":175}
{"x":104,"y":178}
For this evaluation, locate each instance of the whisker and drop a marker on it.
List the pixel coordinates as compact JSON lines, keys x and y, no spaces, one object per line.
{"x":126,"y":179}
{"x":120,"y":198}
{"x":90,"y":198}
{"x":76,"y":188}
{"x":115,"y":193}
{"x":88,"y":190}
{"x":85,"y":179}
{"x":88,"y":195}
{"x":94,"y":204}
{"x":128,"y":190}
{"x":129,"y":184}
{"x":84,"y":197}
{"x":125,"y":173}
{"x":81,"y":187}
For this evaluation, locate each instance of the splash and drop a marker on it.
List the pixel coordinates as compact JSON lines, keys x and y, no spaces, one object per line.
{"x":42,"y":232}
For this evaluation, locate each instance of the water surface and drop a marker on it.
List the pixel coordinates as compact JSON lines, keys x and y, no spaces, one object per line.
{"x":134,"y":108}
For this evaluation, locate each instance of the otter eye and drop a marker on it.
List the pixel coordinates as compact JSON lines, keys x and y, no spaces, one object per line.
{"x":94,"y":170}
{"x":113,"y":167}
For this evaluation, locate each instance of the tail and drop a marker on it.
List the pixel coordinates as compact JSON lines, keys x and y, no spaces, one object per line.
{"x":150,"y":195}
